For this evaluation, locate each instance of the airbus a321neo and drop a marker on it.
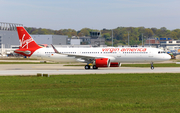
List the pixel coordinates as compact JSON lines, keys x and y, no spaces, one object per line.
{"x":98,"y":56}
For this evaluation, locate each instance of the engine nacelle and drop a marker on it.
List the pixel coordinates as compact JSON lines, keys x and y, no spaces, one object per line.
{"x":102,"y":62}
{"x":115,"y":64}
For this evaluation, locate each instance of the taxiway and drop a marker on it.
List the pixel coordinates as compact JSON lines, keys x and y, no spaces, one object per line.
{"x":59,"y":69}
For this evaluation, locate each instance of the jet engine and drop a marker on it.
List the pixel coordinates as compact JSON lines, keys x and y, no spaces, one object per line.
{"x":102,"y":62}
{"x":115,"y":64}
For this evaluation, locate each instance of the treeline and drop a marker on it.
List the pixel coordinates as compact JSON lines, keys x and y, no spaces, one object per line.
{"x":120,"y":34}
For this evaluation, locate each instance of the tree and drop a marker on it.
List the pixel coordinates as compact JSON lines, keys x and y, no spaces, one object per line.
{"x":163,"y":29}
{"x":59,"y":32}
{"x":174,"y":35}
{"x":154,"y":30}
{"x":106,"y":36}
{"x":84,"y":32}
{"x":178,"y":33}
{"x":120,"y":34}
{"x":148,"y":33}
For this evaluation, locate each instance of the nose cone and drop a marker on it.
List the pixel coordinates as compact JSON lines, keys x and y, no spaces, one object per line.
{"x":167,"y":57}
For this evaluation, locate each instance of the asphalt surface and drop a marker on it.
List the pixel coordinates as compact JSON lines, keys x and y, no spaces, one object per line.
{"x":56,"y":69}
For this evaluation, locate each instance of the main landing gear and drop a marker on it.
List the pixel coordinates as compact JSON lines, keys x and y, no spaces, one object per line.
{"x":88,"y":67}
{"x":152,"y":67}
{"x":94,"y":67}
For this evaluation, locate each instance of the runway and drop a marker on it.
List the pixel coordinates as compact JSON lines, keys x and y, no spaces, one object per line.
{"x":59,"y":69}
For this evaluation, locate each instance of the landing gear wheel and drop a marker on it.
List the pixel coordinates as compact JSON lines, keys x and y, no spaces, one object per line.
{"x":94,"y":67}
{"x":152,"y":67}
{"x":87,"y":67}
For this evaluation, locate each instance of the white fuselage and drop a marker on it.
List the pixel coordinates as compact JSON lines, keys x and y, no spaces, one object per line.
{"x":119,"y":54}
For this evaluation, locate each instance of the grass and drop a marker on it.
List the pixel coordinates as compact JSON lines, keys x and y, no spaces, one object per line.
{"x":108,"y":93}
{"x":144,"y":65}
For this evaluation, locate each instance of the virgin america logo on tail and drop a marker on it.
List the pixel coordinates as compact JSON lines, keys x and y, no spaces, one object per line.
{"x":24,"y":43}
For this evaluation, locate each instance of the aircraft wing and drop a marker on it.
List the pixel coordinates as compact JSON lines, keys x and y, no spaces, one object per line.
{"x":80,"y":56}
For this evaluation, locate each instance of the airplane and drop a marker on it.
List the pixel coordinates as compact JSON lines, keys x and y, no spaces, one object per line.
{"x":98,"y":56}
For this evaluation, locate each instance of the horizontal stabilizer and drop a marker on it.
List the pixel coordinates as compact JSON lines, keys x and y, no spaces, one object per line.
{"x":25,"y":52}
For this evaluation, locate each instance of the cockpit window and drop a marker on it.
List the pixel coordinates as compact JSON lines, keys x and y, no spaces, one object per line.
{"x":160,"y":52}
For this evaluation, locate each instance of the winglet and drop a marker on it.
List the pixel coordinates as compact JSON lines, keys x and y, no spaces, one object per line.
{"x":55,"y":50}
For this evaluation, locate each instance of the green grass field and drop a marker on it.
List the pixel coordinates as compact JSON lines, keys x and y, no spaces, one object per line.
{"x":108,"y":93}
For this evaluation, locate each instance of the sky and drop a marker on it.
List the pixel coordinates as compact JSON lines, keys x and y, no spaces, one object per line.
{"x":93,"y":14}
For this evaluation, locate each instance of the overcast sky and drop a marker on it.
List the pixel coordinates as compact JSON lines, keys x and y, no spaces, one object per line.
{"x":94,"y":14}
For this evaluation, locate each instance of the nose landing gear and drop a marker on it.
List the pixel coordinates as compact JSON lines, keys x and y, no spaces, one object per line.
{"x":152,"y":67}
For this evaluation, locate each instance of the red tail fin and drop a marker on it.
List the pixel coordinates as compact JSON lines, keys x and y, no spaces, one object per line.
{"x":26,"y":41}
{"x":27,"y":44}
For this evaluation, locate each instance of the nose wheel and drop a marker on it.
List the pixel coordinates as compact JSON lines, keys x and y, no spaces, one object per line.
{"x":152,"y":67}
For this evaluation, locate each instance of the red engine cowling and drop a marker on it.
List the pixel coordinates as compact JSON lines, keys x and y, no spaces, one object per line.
{"x":115,"y":64}
{"x":102,"y":62}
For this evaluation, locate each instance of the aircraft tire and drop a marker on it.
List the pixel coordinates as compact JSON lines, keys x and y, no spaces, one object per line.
{"x":87,"y":67}
{"x":94,"y":67}
{"x":152,"y":67}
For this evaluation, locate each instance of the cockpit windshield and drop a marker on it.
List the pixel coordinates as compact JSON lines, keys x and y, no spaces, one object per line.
{"x":160,"y":52}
